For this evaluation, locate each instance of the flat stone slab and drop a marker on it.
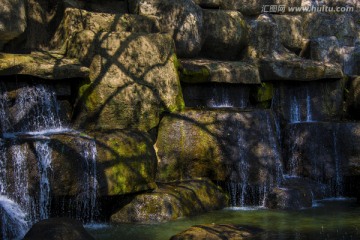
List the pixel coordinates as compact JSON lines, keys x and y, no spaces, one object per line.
{"x":42,"y":64}
{"x":204,"y":70}
{"x":298,"y":70}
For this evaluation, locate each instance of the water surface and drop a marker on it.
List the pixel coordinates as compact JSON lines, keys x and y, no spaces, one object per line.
{"x":329,"y":219}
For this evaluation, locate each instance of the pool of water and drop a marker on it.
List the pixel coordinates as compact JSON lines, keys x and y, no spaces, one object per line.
{"x":329,"y":219}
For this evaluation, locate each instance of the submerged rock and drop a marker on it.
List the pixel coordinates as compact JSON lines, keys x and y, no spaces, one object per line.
{"x":217,"y":232}
{"x":171,"y":201}
{"x":58,"y":229}
{"x":289,"y":199}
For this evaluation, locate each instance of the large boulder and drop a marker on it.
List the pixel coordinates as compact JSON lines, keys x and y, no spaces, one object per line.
{"x":133,"y":79}
{"x":221,"y":145}
{"x":309,"y":101}
{"x":326,"y":24}
{"x":58,"y":229}
{"x":217,"y":232}
{"x":264,"y":39}
{"x":12,"y":20}
{"x":171,"y":201}
{"x":248,"y":7}
{"x":183,"y":19}
{"x":288,"y":199}
{"x":76,"y":20}
{"x":290,"y":31}
{"x":225,"y":34}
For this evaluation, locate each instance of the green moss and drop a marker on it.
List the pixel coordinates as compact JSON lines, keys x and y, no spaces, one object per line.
{"x":195,"y":76}
{"x":264,"y":92}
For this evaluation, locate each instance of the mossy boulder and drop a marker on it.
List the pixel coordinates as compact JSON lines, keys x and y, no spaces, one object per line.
{"x":12,"y":20}
{"x":76,"y":20}
{"x":212,"y":143}
{"x":182,"y":19}
{"x":225,"y":34}
{"x":126,"y":162}
{"x":171,"y":201}
{"x":133,"y":79}
{"x":217,"y":232}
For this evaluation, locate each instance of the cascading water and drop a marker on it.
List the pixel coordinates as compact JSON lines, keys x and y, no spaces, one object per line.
{"x":295,"y":111}
{"x":35,"y":115}
{"x":338,"y":172}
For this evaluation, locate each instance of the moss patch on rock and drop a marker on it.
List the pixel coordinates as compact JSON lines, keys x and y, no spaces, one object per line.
{"x":171,"y":201}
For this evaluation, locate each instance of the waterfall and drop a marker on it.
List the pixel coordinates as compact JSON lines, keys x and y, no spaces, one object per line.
{"x":220,"y":99}
{"x":87,"y":205}
{"x":44,"y":163}
{"x":35,"y":114}
{"x":13,"y":219}
{"x":308,"y":107}
{"x":294,"y":110}
{"x":338,"y":172}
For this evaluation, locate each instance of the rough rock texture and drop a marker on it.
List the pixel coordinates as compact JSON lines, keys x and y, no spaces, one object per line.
{"x":326,"y":24}
{"x":12,"y":20}
{"x":183,"y":19}
{"x":126,"y":160}
{"x":109,"y":6}
{"x":171,"y":201}
{"x":76,"y":20}
{"x":298,"y":70}
{"x":217,"y":232}
{"x":200,"y":143}
{"x":290,"y":31}
{"x":353,"y":99}
{"x":44,"y":65}
{"x":329,"y":49}
{"x":323,"y":150}
{"x":289,"y":199}
{"x":133,"y":79}
{"x":58,"y":229}
{"x":309,"y":101}
{"x":264,"y":39}
{"x":225,"y":34}
{"x":205,"y":71}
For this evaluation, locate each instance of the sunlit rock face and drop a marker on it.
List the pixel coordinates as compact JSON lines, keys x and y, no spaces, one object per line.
{"x":133,"y":79}
{"x":78,"y":20}
{"x":218,"y":144}
{"x":182,"y":19}
{"x":12,"y":20}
